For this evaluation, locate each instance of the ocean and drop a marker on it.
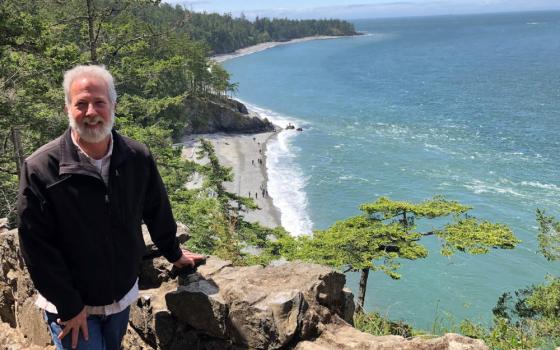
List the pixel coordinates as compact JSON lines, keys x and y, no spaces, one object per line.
{"x":462,"y":106}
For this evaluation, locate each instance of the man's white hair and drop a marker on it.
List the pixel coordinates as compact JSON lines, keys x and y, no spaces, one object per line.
{"x":89,"y":71}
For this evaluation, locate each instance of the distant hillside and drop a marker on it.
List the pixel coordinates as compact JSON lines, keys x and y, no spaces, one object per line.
{"x":225,"y":34}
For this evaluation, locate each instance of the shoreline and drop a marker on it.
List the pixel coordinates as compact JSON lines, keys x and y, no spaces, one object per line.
{"x":245,"y":154}
{"x":270,"y":44}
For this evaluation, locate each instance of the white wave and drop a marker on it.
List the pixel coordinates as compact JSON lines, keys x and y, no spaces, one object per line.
{"x":434,"y":147}
{"x":551,"y":187}
{"x":286,"y":182}
{"x":352,"y":178}
{"x":480,"y":187}
{"x":378,"y":36}
{"x":392,"y":130}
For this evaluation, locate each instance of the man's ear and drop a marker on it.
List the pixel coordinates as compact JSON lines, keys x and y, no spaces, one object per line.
{"x":65,"y":108}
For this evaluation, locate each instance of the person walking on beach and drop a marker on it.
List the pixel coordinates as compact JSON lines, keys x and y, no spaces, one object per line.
{"x":82,"y":199}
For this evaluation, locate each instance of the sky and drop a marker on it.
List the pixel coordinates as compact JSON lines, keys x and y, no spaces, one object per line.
{"x":355,"y":9}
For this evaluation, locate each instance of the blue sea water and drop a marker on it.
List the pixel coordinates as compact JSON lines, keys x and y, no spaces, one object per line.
{"x":463,"y":106}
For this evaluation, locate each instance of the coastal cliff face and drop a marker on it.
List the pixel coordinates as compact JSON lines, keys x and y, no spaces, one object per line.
{"x":222,"y":115}
{"x":220,"y":307}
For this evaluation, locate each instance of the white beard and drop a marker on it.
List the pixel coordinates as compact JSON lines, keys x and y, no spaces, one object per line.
{"x":95,"y":135}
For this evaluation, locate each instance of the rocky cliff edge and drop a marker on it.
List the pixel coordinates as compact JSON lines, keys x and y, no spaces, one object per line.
{"x":220,"y":307}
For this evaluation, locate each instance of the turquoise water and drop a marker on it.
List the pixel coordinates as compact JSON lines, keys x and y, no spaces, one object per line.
{"x":463,"y":106}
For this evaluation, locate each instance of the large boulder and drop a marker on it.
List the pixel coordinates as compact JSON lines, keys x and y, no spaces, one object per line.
{"x":344,"y":337}
{"x":152,"y":326}
{"x":260,"y":308}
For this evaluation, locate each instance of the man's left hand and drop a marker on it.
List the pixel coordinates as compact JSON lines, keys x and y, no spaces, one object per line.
{"x":189,"y":259}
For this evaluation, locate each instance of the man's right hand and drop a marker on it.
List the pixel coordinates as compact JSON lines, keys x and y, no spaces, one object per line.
{"x":74,"y":325}
{"x":189,"y":259}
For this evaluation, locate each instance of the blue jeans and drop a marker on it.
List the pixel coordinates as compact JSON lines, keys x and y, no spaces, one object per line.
{"x":105,"y":332}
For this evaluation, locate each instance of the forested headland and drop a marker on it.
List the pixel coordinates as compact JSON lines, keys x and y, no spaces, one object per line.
{"x":225,"y":34}
{"x":159,"y":55}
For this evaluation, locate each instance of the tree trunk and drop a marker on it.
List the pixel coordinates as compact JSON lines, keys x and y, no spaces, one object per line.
{"x":18,"y":149}
{"x":92,"y":40}
{"x":362,"y":291}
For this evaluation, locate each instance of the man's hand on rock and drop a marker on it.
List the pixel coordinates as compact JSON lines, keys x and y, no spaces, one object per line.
{"x":189,"y":259}
{"x":74,"y":325}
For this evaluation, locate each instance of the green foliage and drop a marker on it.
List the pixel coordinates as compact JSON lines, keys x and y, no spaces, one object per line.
{"x":514,"y":309}
{"x":360,"y":243}
{"x":28,"y":71}
{"x":386,"y":232}
{"x":545,"y":302}
{"x":502,"y":335}
{"x":375,"y":324}
{"x":438,"y":206}
{"x":474,"y":237}
{"x":549,"y":236}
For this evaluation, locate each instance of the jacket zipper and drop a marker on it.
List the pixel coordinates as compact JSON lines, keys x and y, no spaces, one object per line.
{"x":113,"y":178}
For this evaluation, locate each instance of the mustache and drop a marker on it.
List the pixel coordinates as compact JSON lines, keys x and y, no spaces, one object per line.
{"x":93,"y":120}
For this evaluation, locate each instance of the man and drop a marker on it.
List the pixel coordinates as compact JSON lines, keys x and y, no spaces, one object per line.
{"x":81,"y":202}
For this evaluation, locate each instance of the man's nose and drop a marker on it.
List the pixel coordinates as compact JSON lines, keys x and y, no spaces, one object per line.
{"x":91,"y":110}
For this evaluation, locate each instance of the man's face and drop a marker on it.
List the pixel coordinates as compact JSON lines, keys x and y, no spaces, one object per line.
{"x":90,"y":112}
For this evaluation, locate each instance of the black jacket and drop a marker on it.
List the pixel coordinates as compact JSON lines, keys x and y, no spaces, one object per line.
{"x":81,"y":240}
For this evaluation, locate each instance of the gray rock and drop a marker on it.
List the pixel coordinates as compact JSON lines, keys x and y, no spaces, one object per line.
{"x":148,"y":317}
{"x":17,"y":295}
{"x":31,"y":323}
{"x":345,"y":337}
{"x":152,"y":326}
{"x":256,"y":307}
{"x":13,"y":339}
{"x":154,"y":272}
{"x":3,"y":225}
{"x":151,"y":248}
{"x":348,"y":307}
{"x":269,"y":324}
{"x":155,"y":269}
{"x":200,"y":306}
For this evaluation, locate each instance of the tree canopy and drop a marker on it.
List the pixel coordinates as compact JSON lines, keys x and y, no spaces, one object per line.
{"x":387,"y":232}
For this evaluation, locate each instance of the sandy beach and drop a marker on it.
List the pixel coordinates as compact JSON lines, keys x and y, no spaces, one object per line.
{"x":242,"y":152}
{"x":268,"y":45}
